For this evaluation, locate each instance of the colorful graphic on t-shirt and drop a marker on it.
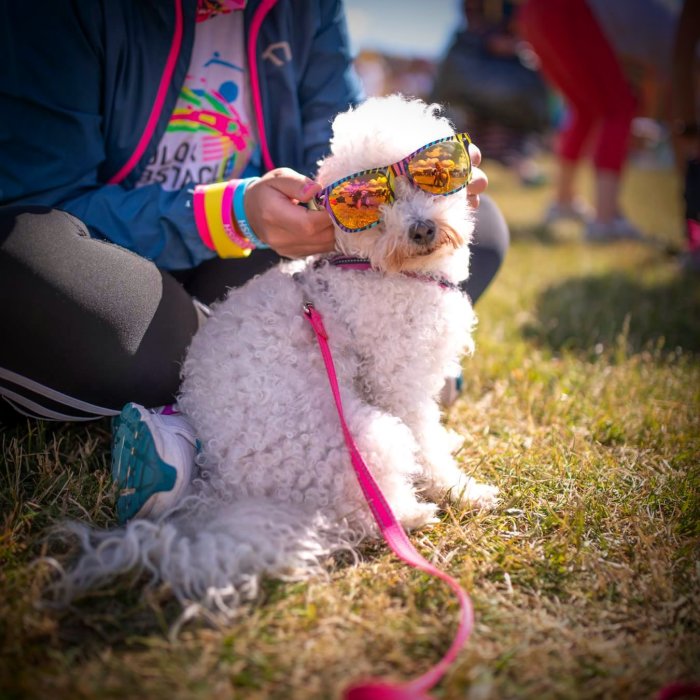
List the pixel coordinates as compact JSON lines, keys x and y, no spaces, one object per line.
{"x":211,"y":112}
{"x":208,"y":8}
{"x":208,"y":138}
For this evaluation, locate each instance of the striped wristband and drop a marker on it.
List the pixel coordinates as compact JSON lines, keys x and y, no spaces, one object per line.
{"x":209,"y":218}
{"x":239,"y":212}
{"x":227,"y":218}
{"x":200,"y":218}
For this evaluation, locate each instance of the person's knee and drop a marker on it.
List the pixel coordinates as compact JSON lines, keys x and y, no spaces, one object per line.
{"x":150,"y":370}
{"x":86,"y":318}
{"x":35,"y":225}
{"x":491,"y":229}
{"x":489,"y":247}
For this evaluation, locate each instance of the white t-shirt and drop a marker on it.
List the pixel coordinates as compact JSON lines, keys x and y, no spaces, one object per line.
{"x":210,"y":136}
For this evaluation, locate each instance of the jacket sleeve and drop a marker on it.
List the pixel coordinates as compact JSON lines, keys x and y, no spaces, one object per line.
{"x":153,"y":222}
{"x":330,"y":84}
{"x":52,"y":146}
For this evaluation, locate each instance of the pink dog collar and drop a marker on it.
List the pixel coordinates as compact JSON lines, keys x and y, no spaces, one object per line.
{"x":349,"y":262}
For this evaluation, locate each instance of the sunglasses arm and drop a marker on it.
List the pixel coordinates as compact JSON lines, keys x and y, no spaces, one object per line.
{"x":317,"y":202}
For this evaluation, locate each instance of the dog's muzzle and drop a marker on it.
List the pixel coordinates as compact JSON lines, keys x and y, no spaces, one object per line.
{"x":422,"y":232}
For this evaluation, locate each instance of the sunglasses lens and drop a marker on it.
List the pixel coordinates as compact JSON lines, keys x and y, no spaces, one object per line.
{"x":441,"y":168}
{"x":355,"y":202}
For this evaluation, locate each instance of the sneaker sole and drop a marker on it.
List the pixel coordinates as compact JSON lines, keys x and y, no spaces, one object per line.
{"x":137,"y":468}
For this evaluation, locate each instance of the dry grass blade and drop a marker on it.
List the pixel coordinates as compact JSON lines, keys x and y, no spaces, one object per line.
{"x":582,"y":404}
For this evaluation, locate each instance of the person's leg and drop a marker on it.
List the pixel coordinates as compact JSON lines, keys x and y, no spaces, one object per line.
{"x":87,"y":326}
{"x":209,"y":281}
{"x":488,"y":249}
{"x":579,"y":61}
{"x":618,"y":105}
{"x":691,"y":197}
{"x":565,"y":186}
{"x":544,"y":24}
{"x":550,"y":26}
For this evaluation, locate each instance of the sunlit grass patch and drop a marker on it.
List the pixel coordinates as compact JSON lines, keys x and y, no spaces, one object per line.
{"x":581,"y":403}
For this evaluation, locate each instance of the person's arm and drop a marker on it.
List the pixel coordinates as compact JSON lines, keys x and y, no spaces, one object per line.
{"x":55,"y":116}
{"x":329,"y":83}
{"x":150,"y":221}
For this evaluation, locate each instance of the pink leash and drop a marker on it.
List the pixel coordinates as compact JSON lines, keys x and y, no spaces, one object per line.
{"x":397,"y":539}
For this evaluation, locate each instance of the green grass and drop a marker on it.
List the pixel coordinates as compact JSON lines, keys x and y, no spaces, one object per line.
{"x":582,"y":404}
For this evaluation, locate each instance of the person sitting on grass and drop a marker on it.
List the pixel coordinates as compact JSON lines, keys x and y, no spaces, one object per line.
{"x":154,"y":155}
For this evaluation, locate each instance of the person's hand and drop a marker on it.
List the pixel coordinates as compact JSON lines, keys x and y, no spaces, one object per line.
{"x":271,"y":206}
{"x":479,"y":181}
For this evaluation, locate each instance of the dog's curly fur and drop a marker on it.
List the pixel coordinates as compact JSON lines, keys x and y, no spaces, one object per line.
{"x":277,"y":492}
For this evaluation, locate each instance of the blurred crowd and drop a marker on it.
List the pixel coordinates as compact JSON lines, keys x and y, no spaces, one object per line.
{"x":609,"y":83}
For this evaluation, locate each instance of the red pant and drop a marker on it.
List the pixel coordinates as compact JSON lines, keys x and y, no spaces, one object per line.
{"x":579,"y":62}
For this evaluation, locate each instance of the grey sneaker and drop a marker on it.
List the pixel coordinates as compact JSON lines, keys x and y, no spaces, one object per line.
{"x":577,"y":210}
{"x":451,"y":390}
{"x":153,"y":455}
{"x":619,"y":229}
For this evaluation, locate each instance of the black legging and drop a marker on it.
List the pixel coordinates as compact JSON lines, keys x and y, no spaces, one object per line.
{"x":88,"y":326}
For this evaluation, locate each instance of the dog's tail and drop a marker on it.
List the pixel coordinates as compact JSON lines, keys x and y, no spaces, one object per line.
{"x":206,"y":552}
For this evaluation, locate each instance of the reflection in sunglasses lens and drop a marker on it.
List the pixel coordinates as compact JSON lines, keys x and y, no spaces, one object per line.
{"x":355,"y":202}
{"x":441,"y":168}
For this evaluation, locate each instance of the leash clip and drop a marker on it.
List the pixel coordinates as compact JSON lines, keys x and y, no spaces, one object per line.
{"x":315,"y":320}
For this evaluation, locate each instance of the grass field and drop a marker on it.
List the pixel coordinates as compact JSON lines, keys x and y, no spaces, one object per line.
{"x":582,"y":403}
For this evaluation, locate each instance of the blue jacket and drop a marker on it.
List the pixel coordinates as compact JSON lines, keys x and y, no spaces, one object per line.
{"x":87,"y":88}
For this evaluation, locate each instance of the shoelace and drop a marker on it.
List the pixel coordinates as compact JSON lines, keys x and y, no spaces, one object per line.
{"x":397,"y":539}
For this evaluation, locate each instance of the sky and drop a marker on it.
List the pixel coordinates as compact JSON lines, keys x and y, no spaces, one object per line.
{"x":407,"y":28}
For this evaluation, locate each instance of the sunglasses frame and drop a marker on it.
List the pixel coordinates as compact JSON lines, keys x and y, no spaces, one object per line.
{"x":322,"y":199}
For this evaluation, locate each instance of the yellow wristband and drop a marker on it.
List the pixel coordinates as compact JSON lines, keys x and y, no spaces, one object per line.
{"x":225,"y":247}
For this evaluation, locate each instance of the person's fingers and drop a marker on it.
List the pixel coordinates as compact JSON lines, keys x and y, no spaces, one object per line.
{"x":479,"y":182}
{"x":273,"y":211}
{"x":323,"y":230}
{"x":299,"y":219}
{"x":309,"y":190}
{"x":474,"y":154}
{"x":291,"y":183}
{"x":311,"y":232}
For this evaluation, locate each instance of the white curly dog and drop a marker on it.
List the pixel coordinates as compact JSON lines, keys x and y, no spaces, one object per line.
{"x":277,"y":492}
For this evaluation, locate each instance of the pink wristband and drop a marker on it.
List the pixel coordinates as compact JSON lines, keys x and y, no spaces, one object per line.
{"x":227,"y":218}
{"x":200,"y":218}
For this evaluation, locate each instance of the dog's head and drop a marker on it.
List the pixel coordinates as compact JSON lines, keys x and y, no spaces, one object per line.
{"x":418,"y":231}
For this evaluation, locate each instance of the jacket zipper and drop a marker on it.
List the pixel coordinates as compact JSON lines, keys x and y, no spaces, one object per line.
{"x":165,"y":81}
{"x":264,"y":7}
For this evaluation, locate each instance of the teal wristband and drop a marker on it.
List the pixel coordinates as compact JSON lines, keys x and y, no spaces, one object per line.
{"x":239,"y":212}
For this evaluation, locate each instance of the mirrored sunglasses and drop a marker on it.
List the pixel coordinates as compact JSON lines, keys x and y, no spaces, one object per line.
{"x":440,"y":167}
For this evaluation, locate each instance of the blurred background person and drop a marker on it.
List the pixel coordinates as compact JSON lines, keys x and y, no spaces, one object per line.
{"x":598,"y":54}
{"x":489,"y":80}
{"x":685,"y":124}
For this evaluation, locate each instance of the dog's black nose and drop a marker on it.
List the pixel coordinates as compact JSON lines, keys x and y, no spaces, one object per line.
{"x":422,"y":232}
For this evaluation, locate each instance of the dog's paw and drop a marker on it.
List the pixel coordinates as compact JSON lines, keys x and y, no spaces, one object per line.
{"x":419,"y":515}
{"x":469,"y":492}
{"x":454,"y":440}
